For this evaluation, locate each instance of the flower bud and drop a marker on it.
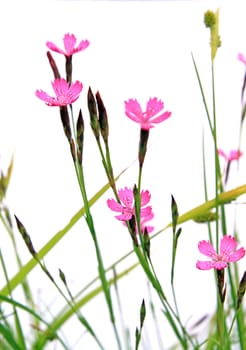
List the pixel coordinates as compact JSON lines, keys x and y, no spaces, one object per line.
{"x":92,"y":107}
{"x":53,"y":66}
{"x":80,"y":136}
{"x":103,"y":118}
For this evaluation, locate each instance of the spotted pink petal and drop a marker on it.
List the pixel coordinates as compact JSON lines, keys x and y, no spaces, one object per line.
{"x":145,"y":211}
{"x":126,"y":196}
{"x":227,"y":245}
{"x":145,"y":198}
{"x":125,"y":216}
{"x":144,"y":220}
{"x":153,"y":107}
{"x":206,"y":248}
{"x":69,"y":41}
{"x":113,"y":205}
{"x":237,"y":255}
{"x":45,"y":97}
{"x":133,"y":110}
{"x":204,"y":265}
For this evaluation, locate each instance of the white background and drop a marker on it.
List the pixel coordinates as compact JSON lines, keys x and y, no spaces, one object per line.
{"x":138,"y":50}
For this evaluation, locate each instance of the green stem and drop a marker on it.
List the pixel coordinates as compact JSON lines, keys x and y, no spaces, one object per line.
{"x":90,"y":223}
{"x":21,"y":338}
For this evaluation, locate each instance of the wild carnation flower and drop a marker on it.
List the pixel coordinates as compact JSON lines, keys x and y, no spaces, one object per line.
{"x":69,"y":41}
{"x":146,"y":119}
{"x":227,"y":254}
{"x":233,"y":155}
{"x":241,"y":58}
{"x":127,"y":210}
{"x":65,"y":94}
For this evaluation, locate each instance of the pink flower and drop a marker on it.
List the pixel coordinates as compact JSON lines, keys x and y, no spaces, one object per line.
{"x":69,"y":41}
{"x":65,"y":94}
{"x":127,"y":210}
{"x":226,"y":255}
{"x":241,"y":58}
{"x":233,"y":155}
{"x":134,"y":111}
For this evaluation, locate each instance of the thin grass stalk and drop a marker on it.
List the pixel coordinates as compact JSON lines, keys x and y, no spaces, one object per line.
{"x":19,"y":330}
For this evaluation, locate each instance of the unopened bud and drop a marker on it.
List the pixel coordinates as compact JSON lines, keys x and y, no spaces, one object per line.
{"x":103,"y":118}
{"x":25,"y":236}
{"x":53,"y":66}
{"x":241,"y":290}
{"x":92,"y":107}
{"x":80,"y":136}
{"x":66,"y":122}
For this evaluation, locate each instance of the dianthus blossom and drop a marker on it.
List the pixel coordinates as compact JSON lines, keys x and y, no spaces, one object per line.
{"x":69,"y":41}
{"x":153,"y":114}
{"x":227,"y":254}
{"x":232,"y":155}
{"x":126,"y":207}
{"x":65,"y":94}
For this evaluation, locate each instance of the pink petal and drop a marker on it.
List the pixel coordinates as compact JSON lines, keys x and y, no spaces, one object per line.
{"x":43,"y":95}
{"x":227,"y":245}
{"x":60,"y":87}
{"x":146,"y":219}
{"x":133,"y":110}
{"x":241,"y":58}
{"x":207,"y":249}
{"x":145,"y":211}
{"x":235,"y":155}
{"x":124,"y":217}
{"x":237,"y":255}
{"x":222,"y":153}
{"x":55,"y":48}
{"x":145,"y":197}
{"x":161,"y":118}
{"x":153,"y":107}
{"x":82,"y":45}
{"x":126,"y":197}
{"x":69,"y":43}
{"x":204,"y":265}
{"x":75,"y":89}
{"x":113,"y":205}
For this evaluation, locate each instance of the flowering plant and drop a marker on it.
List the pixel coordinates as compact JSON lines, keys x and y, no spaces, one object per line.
{"x":130,"y":204}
